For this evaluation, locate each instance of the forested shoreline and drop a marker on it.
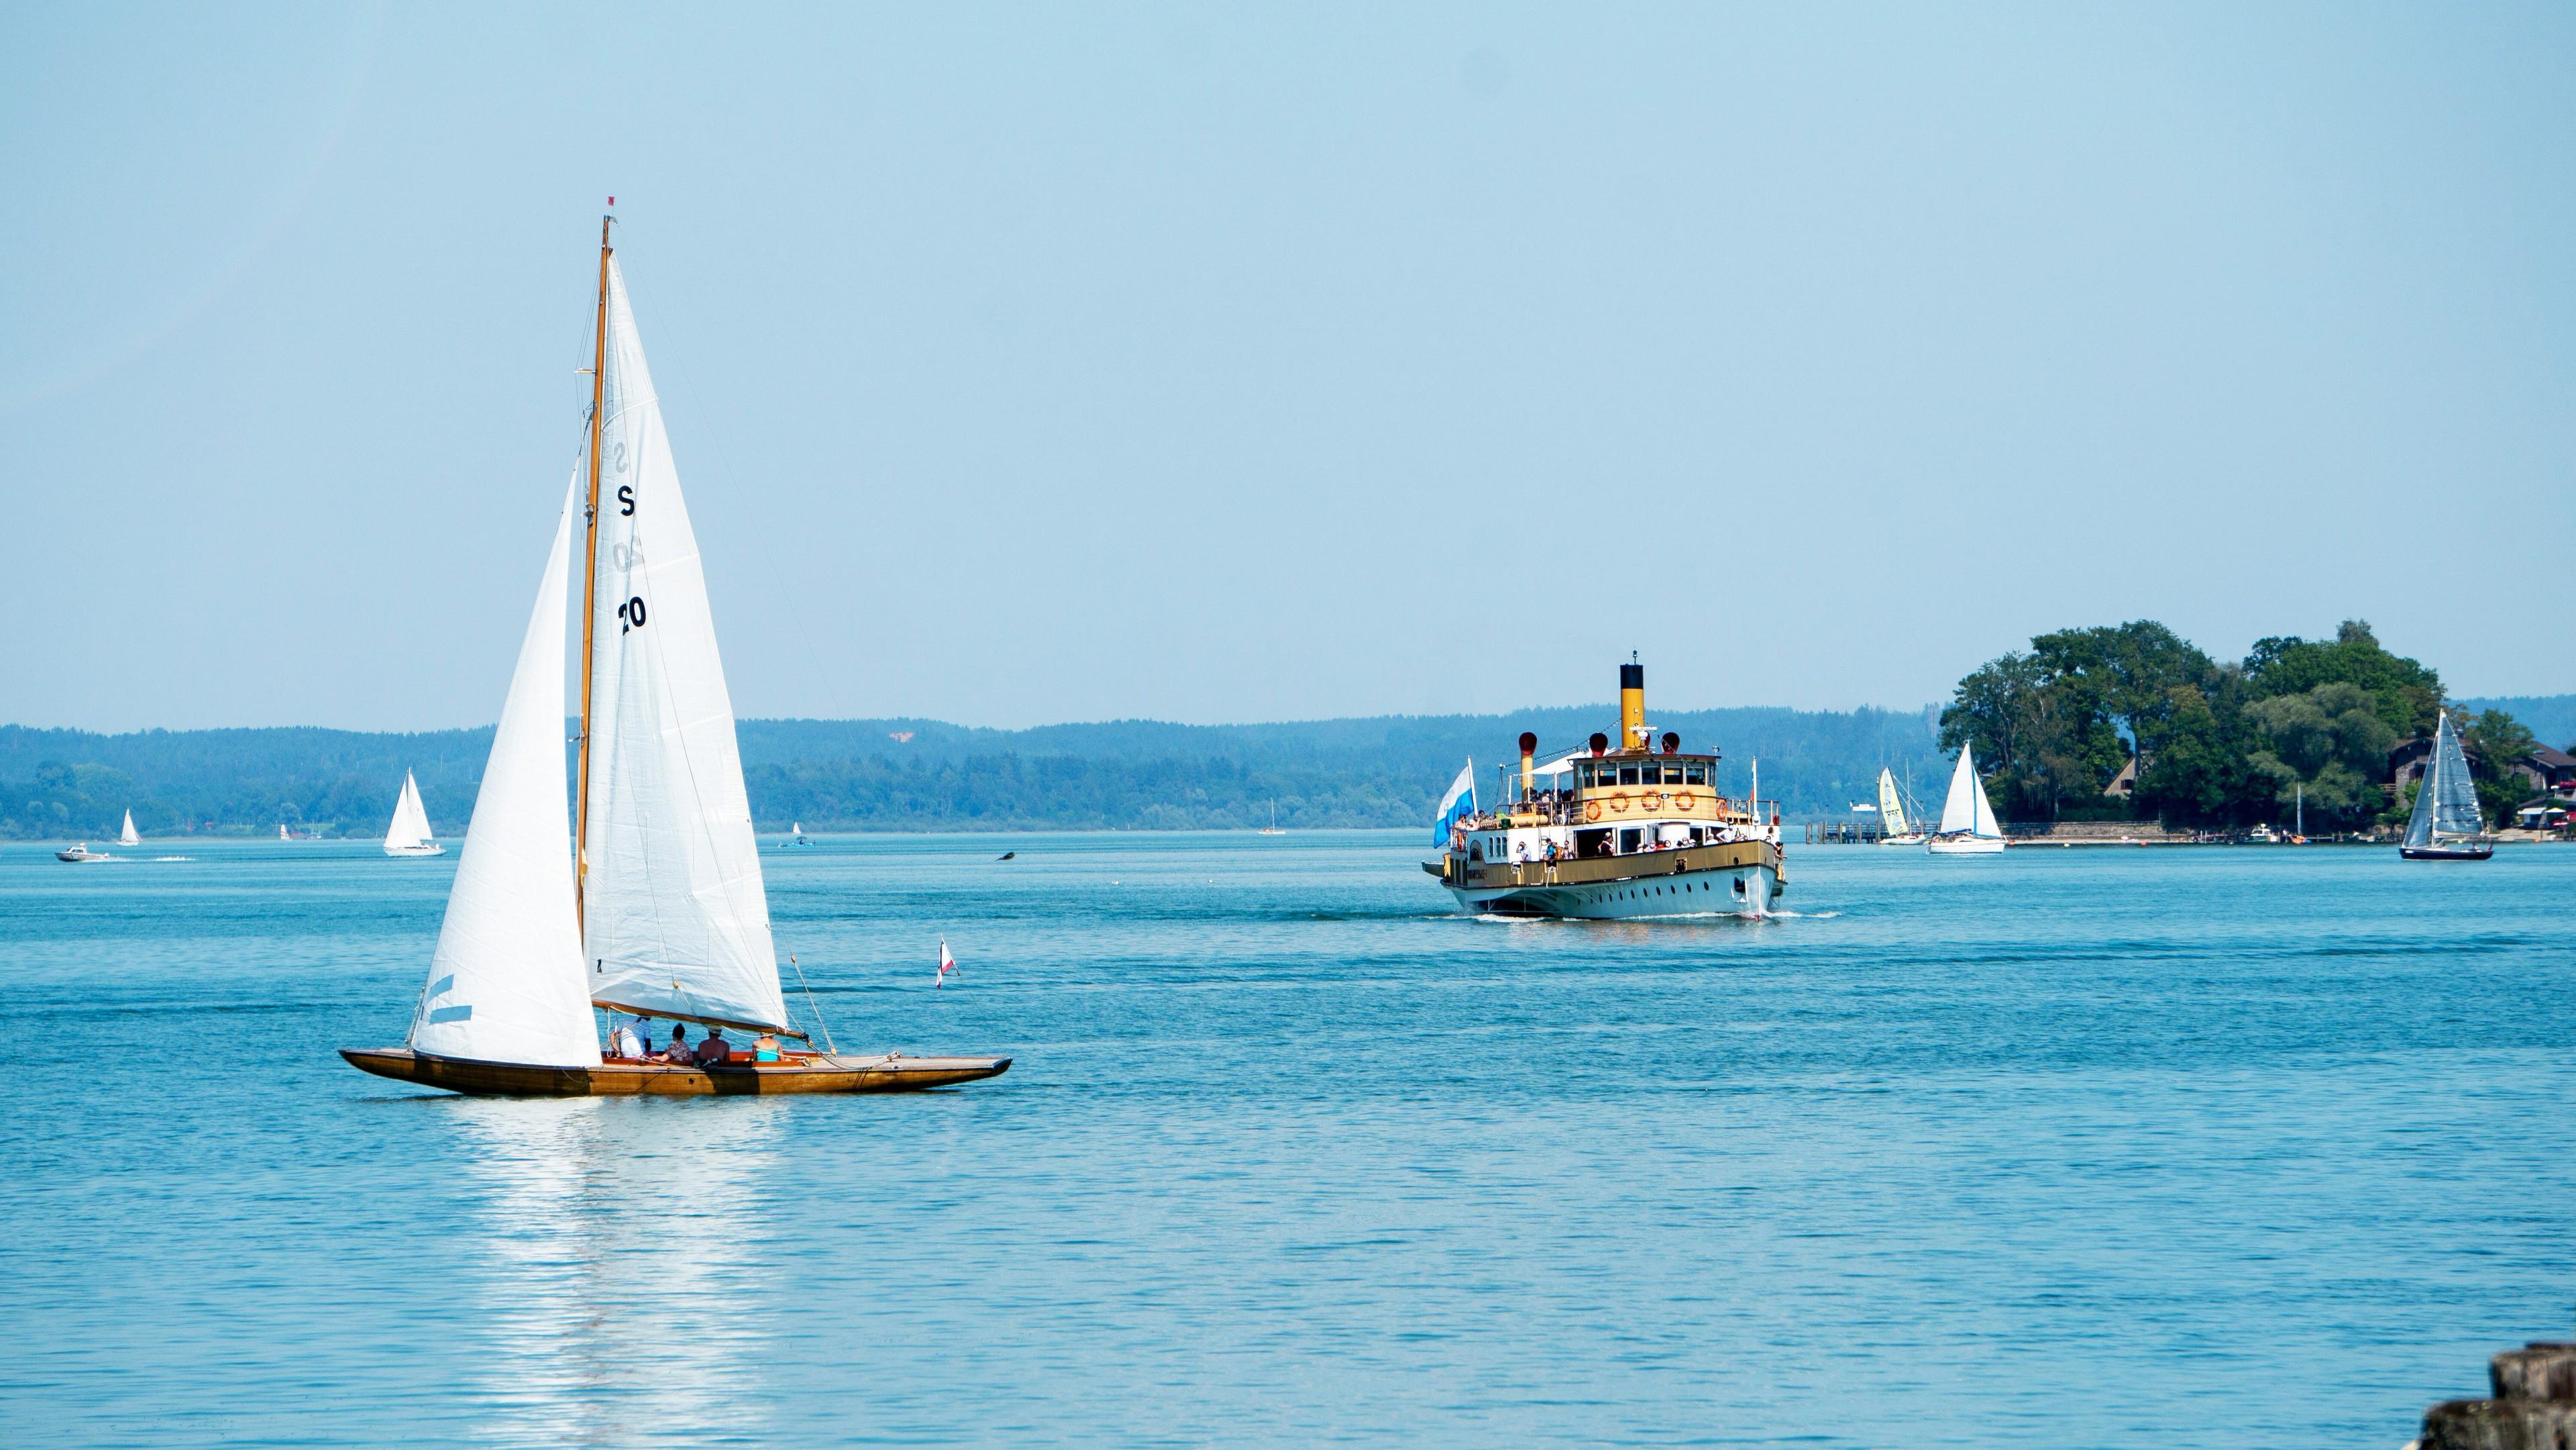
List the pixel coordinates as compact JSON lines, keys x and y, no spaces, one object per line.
{"x":2216,"y":744}
{"x":927,"y":775}
{"x":2052,"y":724}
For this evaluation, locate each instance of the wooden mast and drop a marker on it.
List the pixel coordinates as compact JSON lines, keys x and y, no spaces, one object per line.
{"x":590,"y":599}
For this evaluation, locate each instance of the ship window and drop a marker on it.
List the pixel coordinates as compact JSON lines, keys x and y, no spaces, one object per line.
{"x":1694,"y":775}
{"x":1583,"y":773}
{"x":1672,"y":775}
{"x":1627,"y":775}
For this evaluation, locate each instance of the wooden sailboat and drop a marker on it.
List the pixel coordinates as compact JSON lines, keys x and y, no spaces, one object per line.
{"x":651,"y":901}
{"x":2445,"y":824}
{"x":408,"y":835}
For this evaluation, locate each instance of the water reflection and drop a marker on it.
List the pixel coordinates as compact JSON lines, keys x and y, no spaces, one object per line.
{"x":624,"y":1287}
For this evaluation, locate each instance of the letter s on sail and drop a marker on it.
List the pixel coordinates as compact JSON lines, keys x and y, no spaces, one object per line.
{"x":626,"y":499}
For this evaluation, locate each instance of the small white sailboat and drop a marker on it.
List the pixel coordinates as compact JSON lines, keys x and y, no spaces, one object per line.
{"x":650,"y":900}
{"x":1891,"y":814}
{"x":2446,"y":824}
{"x":128,"y":837}
{"x":409,"y":833}
{"x":1968,"y":825}
{"x":281,"y":832}
{"x":1273,"y":828}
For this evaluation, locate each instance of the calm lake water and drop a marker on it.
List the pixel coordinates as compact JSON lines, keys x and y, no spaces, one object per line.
{"x":2070,"y":1148}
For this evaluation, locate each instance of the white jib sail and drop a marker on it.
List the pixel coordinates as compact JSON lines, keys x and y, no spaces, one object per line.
{"x":505,"y":984}
{"x":1891,"y":811}
{"x":1986,"y":825}
{"x":129,"y":838}
{"x":677,"y":920}
{"x":410,"y":828}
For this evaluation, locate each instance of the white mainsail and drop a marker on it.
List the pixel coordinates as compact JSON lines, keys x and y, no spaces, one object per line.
{"x":1967,"y":812}
{"x":410,"y":828}
{"x":505,"y":984}
{"x":676,"y":920}
{"x":1891,"y":811}
{"x":129,"y":838}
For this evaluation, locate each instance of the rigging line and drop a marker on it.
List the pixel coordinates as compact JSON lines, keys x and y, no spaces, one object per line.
{"x":814,"y":1006}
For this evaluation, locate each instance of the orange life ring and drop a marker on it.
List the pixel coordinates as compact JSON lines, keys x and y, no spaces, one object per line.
{"x":1592,"y":810}
{"x":1683,"y":800}
{"x":1618,"y":800}
{"x":1650,"y":800}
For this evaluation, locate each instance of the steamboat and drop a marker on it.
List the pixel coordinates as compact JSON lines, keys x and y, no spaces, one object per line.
{"x":1615,"y":830}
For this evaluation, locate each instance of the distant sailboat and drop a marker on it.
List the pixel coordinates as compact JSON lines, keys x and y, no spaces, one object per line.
{"x":649,"y":900}
{"x":1273,"y":828}
{"x":409,"y":833}
{"x":1891,"y":813}
{"x":2446,"y":825}
{"x":129,"y":838}
{"x":1968,"y":826}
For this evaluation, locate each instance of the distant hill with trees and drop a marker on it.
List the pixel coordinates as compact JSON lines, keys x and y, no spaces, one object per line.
{"x":2219,"y":743}
{"x":2227,"y":743}
{"x":925,"y":775}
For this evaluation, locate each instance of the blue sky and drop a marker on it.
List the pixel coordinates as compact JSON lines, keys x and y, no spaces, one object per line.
{"x":1048,"y":363}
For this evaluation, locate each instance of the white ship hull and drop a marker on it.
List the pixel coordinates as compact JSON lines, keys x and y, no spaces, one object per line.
{"x":426,"y":848}
{"x":1743,"y":890}
{"x":1965,"y":846}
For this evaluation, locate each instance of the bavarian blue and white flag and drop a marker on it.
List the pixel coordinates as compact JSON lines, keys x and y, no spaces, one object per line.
{"x":1459,"y":802}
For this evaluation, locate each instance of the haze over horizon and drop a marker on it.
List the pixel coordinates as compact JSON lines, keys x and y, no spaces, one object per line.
{"x":1286,"y":365}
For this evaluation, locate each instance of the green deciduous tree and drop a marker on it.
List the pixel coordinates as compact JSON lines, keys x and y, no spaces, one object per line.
{"x":2404,"y":694}
{"x":2328,"y":745}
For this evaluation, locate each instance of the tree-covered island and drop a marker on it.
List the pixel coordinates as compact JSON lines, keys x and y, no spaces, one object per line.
{"x":2133,"y":721}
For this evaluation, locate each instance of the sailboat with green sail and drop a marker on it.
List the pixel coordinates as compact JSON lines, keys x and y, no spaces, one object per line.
{"x":650,"y":900}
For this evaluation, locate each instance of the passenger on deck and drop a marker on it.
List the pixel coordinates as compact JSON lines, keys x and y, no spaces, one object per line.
{"x":713,"y":1047}
{"x":678,"y":1051}
{"x":627,"y":1042}
{"x":764,"y":1048}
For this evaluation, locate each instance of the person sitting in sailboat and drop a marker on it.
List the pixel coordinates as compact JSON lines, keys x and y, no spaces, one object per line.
{"x":678,"y":1051}
{"x":628,"y":1041}
{"x":712,"y":1048}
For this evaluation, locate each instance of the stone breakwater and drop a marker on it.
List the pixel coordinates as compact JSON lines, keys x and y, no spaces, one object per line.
{"x":2532,"y":1407}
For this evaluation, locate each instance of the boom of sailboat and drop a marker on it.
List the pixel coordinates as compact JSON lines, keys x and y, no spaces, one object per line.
{"x":651,"y":901}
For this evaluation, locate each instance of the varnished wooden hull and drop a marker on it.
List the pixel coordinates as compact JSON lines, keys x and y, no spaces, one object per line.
{"x":888,"y":1074}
